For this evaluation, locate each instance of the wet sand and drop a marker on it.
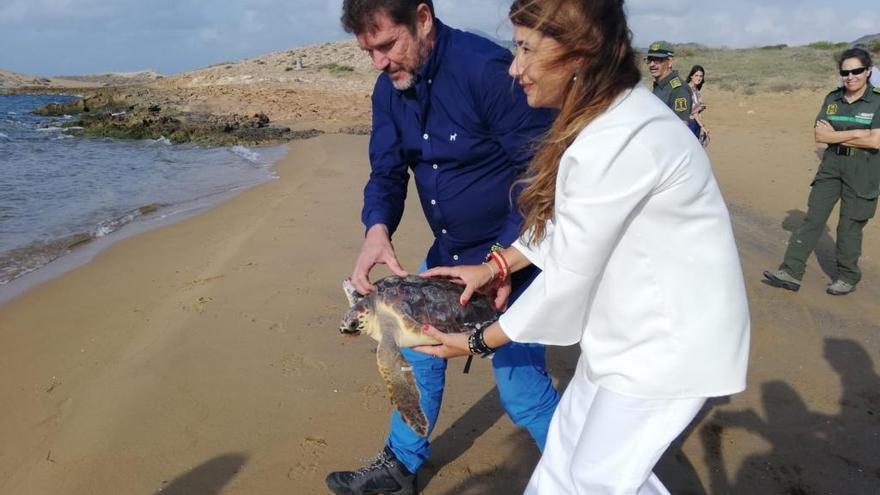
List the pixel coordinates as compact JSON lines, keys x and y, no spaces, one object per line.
{"x":203,"y":357}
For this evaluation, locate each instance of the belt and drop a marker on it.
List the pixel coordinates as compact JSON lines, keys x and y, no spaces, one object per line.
{"x":850,"y":151}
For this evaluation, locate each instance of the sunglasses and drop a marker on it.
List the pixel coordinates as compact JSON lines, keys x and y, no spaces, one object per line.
{"x":855,"y":72}
{"x":655,"y":60}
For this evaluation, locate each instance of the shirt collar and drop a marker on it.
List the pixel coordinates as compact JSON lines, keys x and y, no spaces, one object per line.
{"x":429,"y":69}
{"x":866,"y":97}
{"x":665,"y":80}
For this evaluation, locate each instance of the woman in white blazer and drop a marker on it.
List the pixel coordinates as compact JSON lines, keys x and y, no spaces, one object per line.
{"x":625,"y":219}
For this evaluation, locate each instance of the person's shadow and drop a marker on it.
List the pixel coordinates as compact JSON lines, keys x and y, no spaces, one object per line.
{"x":825,"y":247}
{"x":675,"y":469}
{"x":208,"y":478}
{"x":461,"y":435}
{"x":811,"y":452}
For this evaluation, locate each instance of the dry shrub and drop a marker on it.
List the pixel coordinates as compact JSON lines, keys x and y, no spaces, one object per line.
{"x":782,"y":86}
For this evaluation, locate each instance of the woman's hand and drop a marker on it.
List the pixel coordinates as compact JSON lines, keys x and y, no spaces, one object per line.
{"x":824,"y":132}
{"x":451,"y":345}
{"x":473,"y":277}
{"x":502,"y":293}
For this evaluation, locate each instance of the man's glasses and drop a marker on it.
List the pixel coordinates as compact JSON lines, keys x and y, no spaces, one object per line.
{"x":655,"y":60}
{"x":855,"y":72}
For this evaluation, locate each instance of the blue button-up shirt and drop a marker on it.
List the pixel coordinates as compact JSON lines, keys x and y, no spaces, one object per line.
{"x":466,"y":132}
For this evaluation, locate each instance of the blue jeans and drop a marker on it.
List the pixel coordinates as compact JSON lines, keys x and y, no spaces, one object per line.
{"x":694,"y":126}
{"x":525,"y":387}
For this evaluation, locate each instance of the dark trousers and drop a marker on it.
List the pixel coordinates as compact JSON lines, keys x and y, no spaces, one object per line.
{"x":854,"y":215}
{"x":694,"y":126}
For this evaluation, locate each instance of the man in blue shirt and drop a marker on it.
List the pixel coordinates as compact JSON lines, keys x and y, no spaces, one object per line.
{"x":445,"y":108}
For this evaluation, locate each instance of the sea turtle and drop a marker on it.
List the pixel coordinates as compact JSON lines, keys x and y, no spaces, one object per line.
{"x":394,"y":315}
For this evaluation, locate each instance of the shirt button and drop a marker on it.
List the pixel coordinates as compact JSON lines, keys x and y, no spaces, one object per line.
{"x":433,"y":201}
{"x":435,"y":166}
{"x":425,"y":136}
{"x":455,"y":257}
{"x":444,"y":231}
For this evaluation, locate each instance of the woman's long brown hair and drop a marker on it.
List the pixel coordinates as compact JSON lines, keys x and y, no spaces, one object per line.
{"x":595,"y":39}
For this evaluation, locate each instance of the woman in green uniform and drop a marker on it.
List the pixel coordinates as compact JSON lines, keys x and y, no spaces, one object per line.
{"x":849,"y":123}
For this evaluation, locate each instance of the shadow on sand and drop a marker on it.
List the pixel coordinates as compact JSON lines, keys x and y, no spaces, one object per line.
{"x":208,"y":478}
{"x":811,"y":453}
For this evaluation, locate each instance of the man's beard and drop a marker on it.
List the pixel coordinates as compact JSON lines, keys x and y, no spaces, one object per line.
{"x":407,"y":83}
{"x":410,"y":81}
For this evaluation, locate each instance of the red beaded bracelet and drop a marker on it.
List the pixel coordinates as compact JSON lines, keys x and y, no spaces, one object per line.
{"x":500,"y":272}
{"x":504,"y":267}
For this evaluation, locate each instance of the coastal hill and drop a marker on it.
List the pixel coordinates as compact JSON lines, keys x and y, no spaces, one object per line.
{"x":868,"y":39}
{"x":117,"y":78}
{"x":325,"y":86}
{"x":10,"y":79}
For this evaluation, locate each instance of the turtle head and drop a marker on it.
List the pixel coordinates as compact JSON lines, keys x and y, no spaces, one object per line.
{"x":354,"y":321}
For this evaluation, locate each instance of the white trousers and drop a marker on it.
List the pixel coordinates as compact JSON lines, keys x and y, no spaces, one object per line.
{"x":604,"y":443}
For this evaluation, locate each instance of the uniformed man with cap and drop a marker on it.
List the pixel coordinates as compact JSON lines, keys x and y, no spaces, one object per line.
{"x":667,"y":85}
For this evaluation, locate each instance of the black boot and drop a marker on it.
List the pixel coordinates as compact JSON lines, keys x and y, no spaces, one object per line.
{"x":385,"y":475}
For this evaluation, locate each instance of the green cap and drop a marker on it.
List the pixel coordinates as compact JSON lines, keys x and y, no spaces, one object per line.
{"x":661,"y":49}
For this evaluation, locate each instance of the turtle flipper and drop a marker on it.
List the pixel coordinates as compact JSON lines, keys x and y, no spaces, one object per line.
{"x":351,"y":293}
{"x":401,"y":384}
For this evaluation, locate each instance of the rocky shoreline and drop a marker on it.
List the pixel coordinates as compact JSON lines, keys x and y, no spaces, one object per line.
{"x":272,"y":98}
{"x":130,"y":113}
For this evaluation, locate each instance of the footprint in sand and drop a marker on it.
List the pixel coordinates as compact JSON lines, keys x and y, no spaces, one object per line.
{"x":200,"y":282}
{"x":270,"y":324}
{"x":295,"y":364}
{"x":312,"y":448}
{"x":373,"y":397}
{"x":199,"y":305}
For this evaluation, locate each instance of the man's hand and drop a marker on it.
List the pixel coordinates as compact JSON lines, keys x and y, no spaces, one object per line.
{"x":473,"y":277}
{"x":377,"y":249}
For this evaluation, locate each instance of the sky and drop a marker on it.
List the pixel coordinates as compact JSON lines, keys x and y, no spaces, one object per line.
{"x":57,"y":37}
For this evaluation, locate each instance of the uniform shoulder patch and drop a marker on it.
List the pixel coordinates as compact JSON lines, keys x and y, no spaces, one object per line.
{"x":680,"y":104}
{"x":675,"y":83}
{"x":876,"y":90}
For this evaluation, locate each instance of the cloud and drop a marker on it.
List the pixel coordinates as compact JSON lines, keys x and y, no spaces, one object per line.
{"x":15,"y":13}
{"x":747,"y":23}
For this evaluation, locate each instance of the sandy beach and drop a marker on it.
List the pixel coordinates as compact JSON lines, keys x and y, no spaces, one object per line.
{"x":204,"y":358}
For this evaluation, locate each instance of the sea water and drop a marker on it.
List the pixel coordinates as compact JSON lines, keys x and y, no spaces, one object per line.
{"x":59,"y":193}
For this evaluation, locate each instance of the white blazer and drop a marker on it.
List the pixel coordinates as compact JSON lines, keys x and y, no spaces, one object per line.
{"x":639,"y":262}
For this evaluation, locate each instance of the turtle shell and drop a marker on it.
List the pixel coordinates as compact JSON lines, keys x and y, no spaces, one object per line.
{"x":435,"y":301}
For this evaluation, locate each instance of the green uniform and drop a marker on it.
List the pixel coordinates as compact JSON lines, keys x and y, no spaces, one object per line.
{"x":851,"y":175}
{"x":677,"y":95}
